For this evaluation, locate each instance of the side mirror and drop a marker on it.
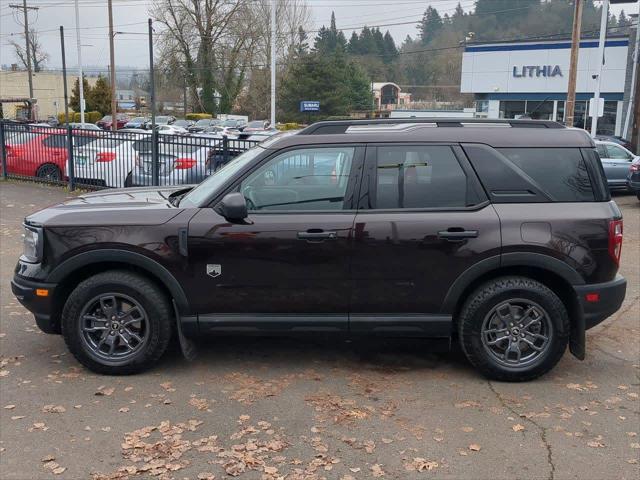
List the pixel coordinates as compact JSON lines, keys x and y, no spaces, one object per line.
{"x":233,"y":207}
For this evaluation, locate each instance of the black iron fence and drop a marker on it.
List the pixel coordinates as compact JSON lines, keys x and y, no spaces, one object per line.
{"x":103,"y":159}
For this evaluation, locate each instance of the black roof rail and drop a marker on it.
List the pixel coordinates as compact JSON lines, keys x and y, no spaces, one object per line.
{"x":329,"y":127}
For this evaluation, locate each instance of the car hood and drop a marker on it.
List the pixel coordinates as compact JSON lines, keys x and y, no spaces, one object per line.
{"x":127,"y":206}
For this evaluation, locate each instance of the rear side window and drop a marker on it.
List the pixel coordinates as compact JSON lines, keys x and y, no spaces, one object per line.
{"x":419,"y":176}
{"x":560,"y":172}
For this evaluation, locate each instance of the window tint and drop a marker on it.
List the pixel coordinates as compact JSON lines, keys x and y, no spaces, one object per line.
{"x":419,"y":177}
{"x":618,"y":153}
{"x":306,"y":179}
{"x":560,"y":172}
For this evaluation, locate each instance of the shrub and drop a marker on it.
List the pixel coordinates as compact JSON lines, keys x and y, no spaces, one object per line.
{"x":62,"y":119}
{"x":197,"y":116}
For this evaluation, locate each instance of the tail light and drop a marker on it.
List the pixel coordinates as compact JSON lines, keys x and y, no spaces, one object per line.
{"x":103,"y":157}
{"x":635,"y":167}
{"x":615,"y":240}
{"x":184,"y":163}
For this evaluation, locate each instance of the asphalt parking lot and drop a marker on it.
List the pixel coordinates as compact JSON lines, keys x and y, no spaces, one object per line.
{"x":282,"y":408}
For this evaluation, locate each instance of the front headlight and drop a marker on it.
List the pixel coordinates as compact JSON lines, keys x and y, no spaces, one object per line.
{"x":33,"y":239}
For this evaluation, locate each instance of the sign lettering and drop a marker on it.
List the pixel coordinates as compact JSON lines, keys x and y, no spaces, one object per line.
{"x":537,"y":71}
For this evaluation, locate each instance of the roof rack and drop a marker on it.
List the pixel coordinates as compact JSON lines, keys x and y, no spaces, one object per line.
{"x":330,"y":127}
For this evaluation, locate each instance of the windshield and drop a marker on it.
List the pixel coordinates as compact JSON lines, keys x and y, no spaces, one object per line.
{"x":138,"y":119}
{"x":106,"y":118}
{"x":203,"y":191}
{"x":230,"y":123}
{"x":203,"y":122}
{"x":256,"y":124}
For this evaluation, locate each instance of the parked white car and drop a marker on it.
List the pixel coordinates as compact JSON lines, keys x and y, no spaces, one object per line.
{"x":171,"y":130}
{"x":109,"y":161}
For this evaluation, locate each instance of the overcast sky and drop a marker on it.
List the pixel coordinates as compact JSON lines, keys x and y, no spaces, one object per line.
{"x":131,"y":16}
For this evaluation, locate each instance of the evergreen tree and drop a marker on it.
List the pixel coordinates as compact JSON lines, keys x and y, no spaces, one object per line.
{"x":353,"y":47}
{"x":430,"y":25}
{"x":99,"y":97}
{"x":623,"y":20}
{"x":390,"y":51}
{"x":74,"y":100}
{"x":458,"y":13}
{"x":329,"y":40}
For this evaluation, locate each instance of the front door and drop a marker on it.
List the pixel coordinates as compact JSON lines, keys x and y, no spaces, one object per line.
{"x":287,"y":267}
{"x":423,"y":220}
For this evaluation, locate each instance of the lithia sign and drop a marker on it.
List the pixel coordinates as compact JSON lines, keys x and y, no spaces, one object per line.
{"x":537,"y":71}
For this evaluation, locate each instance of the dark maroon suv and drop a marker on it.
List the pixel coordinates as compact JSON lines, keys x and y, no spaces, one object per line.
{"x":499,"y":234}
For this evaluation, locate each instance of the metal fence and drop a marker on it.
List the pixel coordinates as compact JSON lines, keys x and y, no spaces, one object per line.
{"x":96,"y":159}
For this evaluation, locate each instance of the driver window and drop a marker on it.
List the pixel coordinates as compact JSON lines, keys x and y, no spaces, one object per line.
{"x":306,"y":179}
{"x":618,"y":153}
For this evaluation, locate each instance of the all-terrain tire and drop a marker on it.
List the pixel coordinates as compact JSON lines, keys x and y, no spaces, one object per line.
{"x":491,"y":294}
{"x":154,"y":302}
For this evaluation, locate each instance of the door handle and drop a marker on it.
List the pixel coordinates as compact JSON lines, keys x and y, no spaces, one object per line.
{"x":457,"y":234}
{"x":317,"y":236}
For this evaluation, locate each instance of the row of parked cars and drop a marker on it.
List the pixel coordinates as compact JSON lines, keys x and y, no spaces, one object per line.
{"x":120,"y":159}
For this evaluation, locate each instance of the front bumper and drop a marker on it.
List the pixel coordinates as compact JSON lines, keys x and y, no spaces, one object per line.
{"x":610,"y":296}
{"x":634,"y":185}
{"x":41,"y":306}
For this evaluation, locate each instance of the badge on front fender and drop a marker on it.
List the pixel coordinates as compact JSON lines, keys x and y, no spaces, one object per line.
{"x":214,"y":270}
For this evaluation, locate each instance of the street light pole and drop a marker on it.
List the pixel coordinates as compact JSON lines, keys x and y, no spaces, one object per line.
{"x":273,"y":63}
{"x":114,"y":106}
{"x":80,"y":75}
{"x":596,"y":94}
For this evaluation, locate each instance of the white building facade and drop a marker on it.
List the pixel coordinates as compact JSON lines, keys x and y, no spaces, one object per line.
{"x":530,"y":79}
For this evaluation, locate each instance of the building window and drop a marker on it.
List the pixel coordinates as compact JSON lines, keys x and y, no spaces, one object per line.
{"x":482,"y":106}
{"x":540,"y":110}
{"x":512,"y":109}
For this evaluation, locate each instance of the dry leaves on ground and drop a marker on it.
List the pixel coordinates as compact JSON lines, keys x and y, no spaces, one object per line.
{"x":421,"y":465}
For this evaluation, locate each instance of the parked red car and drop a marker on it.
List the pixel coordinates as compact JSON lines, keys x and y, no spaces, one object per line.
{"x":106,"y":122}
{"x":41,"y":154}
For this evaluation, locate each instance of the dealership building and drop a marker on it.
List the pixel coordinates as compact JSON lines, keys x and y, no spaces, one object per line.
{"x":529,"y":79}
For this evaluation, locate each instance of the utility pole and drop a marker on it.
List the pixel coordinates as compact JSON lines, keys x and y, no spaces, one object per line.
{"x":80,"y":75}
{"x":604,"y":17}
{"x":273,"y":63}
{"x":66,"y":113}
{"x":114,"y":105}
{"x":25,"y":10}
{"x":634,"y":79}
{"x":573,"y":67}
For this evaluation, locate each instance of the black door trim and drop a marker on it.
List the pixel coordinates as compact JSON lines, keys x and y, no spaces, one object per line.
{"x":271,"y":323}
{"x":400,"y":324}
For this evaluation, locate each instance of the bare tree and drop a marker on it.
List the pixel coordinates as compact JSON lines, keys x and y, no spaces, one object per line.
{"x":194,"y":32}
{"x":38,"y":56}
{"x":215,"y":45}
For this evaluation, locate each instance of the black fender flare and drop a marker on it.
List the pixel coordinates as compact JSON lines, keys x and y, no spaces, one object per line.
{"x":66,"y":268}
{"x":523,"y":259}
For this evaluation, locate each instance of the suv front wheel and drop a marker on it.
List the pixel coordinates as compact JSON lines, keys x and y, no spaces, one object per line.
{"x":117,"y":323}
{"x":514,"y":329}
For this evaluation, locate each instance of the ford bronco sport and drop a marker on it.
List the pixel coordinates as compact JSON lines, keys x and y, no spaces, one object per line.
{"x":499,"y":234}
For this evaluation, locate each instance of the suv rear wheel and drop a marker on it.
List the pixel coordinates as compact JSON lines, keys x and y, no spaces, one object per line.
{"x":514,"y":329}
{"x":117,"y":323}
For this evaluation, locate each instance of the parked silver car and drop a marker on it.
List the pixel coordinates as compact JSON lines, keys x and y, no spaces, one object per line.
{"x":616,"y":161}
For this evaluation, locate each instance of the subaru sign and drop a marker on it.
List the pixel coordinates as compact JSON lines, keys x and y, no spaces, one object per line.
{"x":309,"y":106}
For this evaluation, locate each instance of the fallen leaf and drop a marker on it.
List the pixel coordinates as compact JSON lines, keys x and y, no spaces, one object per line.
{"x":376,"y":470}
{"x":206,"y":476}
{"x":123,"y":410}
{"x":59,"y":470}
{"x":634,"y":445}
{"x":596,"y":444}
{"x":48,"y":458}
{"x":17,"y":417}
{"x":467,"y":429}
{"x":102,"y":392}
{"x":9,"y":407}
{"x":474,"y":447}
{"x":53,"y":409}
{"x":517,"y":427}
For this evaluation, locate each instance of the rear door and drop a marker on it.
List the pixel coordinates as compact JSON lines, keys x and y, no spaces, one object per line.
{"x":422,"y":221}
{"x":616,"y":164}
{"x":287,"y":267}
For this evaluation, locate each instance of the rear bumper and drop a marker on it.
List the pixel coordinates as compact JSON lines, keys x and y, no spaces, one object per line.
{"x":41,"y":306}
{"x":610,"y":297}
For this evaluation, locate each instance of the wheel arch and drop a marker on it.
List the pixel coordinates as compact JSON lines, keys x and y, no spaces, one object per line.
{"x":551,"y":272}
{"x":76,"y":269}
